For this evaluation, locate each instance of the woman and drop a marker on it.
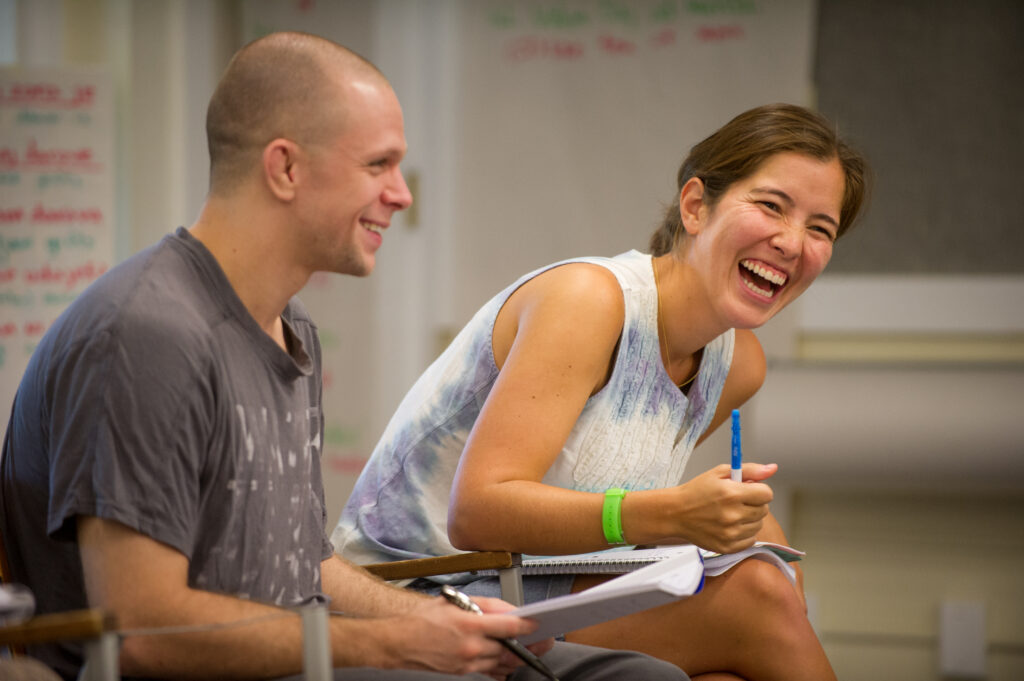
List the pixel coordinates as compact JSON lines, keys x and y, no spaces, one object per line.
{"x":599,"y":374}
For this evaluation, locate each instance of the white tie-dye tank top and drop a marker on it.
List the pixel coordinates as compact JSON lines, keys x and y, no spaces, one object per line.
{"x":637,"y":432}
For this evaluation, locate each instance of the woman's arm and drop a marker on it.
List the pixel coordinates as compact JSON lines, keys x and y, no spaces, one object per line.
{"x":555,"y":341}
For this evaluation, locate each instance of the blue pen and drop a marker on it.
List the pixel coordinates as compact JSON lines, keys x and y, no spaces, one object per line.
{"x":736,"y":472}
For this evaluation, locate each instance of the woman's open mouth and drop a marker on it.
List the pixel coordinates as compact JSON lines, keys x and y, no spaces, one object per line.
{"x":760,"y":279}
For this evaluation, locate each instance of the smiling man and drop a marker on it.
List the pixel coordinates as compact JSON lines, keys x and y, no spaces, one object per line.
{"x":162,"y":460}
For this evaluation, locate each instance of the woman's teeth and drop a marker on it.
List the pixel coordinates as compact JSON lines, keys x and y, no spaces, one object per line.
{"x":764,"y":273}
{"x":772,"y":279}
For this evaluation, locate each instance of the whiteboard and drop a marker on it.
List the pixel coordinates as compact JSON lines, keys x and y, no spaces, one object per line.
{"x":56,"y":203}
{"x":573,"y":118}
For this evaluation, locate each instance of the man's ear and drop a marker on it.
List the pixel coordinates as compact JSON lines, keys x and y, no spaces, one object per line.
{"x":279,"y":168}
{"x":692,"y":210}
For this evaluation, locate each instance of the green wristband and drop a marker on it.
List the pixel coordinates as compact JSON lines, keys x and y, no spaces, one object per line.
{"x":611,"y":516}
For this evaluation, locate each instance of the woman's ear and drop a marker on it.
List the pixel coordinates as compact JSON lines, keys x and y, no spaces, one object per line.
{"x":692,"y":210}
{"x":279,"y":171}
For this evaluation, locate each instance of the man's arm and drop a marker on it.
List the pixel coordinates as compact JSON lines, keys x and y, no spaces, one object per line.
{"x":356,"y":592}
{"x":145,"y":584}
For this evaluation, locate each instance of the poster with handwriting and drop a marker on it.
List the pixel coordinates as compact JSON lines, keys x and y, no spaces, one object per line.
{"x":56,"y":203}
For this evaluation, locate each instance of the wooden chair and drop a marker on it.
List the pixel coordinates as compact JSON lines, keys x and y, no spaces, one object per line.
{"x":96,"y":628}
{"x":507,"y":564}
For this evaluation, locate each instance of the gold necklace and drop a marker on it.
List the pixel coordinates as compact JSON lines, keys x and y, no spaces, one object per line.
{"x":663,"y":334}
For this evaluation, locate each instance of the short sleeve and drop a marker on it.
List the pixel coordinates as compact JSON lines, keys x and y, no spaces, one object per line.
{"x":128,"y":428}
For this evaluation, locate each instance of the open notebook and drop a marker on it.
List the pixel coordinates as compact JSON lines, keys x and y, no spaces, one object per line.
{"x":645,"y":587}
{"x":649,"y":578}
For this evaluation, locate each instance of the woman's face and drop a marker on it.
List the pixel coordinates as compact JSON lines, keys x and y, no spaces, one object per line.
{"x":769,"y":236}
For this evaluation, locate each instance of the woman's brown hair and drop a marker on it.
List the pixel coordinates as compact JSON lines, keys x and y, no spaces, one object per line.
{"x":739,"y":147}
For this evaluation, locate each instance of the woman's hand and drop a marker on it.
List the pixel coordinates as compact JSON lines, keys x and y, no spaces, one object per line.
{"x":718,"y":514}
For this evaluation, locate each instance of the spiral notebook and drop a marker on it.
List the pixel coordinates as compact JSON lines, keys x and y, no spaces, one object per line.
{"x":628,"y":559}
{"x":655,"y":583}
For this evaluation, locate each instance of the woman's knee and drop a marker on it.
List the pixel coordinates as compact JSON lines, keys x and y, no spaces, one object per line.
{"x":764,"y":584}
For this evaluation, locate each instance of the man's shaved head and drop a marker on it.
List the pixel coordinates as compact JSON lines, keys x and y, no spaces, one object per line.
{"x":284,"y":85}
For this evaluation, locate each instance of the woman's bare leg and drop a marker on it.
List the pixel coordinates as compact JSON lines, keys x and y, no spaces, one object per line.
{"x":749,"y":622}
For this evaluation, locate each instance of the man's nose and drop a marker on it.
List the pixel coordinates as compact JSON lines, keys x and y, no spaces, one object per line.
{"x":397,"y":193}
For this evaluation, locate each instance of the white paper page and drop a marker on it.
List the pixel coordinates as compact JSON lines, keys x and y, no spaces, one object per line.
{"x":648,"y":587}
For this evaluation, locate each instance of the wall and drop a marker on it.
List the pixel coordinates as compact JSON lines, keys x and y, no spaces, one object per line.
{"x":927,"y":86}
{"x":881,"y":565}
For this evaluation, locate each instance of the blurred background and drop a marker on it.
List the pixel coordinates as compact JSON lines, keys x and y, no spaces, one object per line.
{"x":545,"y":130}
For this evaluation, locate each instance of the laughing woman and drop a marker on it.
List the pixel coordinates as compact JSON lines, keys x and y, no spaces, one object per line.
{"x":599,"y":374}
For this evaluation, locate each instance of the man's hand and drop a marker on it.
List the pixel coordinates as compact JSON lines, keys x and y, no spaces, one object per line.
{"x":508,"y":662}
{"x":440,"y":637}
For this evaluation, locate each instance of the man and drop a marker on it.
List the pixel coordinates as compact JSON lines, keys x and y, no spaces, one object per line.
{"x":162,"y":460}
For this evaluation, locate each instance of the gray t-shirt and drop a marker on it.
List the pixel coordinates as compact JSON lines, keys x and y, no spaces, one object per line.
{"x":157,"y":401}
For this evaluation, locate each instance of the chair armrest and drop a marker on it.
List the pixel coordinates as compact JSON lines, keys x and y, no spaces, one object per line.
{"x":72,"y":625}
{"x":442,"y":565}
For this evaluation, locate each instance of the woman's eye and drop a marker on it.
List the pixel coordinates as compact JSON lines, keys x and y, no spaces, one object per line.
{"x":824,"y":231}
{"x":770,"y":205}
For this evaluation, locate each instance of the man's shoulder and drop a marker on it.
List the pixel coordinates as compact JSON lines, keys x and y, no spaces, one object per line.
{"x":153,"y":299}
